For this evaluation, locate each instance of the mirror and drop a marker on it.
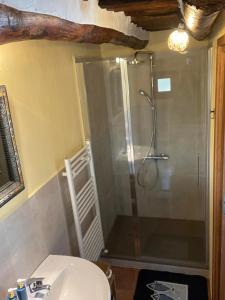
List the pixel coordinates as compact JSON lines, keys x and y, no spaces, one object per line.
{"x":11,"y":179}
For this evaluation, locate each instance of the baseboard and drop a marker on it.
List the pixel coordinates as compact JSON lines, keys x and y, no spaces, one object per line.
{"x":157,"y":267}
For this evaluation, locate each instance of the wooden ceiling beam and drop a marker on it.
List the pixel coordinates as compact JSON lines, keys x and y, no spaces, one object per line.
{"x":151,"y":13}
{"x":159,"y":18}
{"x":199,"y":15}
{"x":17,"y":25}
{"x":135,"y":6}
{"x":156,"y":23}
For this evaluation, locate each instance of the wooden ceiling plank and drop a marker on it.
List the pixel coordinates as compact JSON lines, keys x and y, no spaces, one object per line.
{"x":199,"y":15}
{"x":157,"y":22}
{"x":151,"y":13}
{"x":134,"y":6}
{"x":160,"y":18}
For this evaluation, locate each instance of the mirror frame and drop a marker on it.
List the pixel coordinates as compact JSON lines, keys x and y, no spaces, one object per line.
{"x":16,"y":184}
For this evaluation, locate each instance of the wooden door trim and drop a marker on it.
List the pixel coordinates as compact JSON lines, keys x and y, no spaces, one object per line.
{"x":218,"y":169}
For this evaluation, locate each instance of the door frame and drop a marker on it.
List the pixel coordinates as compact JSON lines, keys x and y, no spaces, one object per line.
{"x":218,"y":256}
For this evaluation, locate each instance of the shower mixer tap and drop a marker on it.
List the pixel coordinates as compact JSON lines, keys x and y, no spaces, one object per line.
{"x":161,"y":156}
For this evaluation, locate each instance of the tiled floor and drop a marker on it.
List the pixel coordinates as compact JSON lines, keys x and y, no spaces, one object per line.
{"x":136,"y":238}
{"x":126,"y":280}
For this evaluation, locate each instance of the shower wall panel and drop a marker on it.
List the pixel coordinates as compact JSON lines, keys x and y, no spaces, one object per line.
{"x":101,"y":143}
{"x":180,"y":192}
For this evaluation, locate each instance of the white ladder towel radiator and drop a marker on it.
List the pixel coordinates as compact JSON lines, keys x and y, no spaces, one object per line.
{"x":85,"y":205}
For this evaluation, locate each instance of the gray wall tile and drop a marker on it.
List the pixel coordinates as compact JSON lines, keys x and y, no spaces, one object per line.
{"x":64,"y":190}
{"x":34,"y":231}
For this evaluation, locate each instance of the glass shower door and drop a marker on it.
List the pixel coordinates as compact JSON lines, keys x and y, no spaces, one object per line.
{"x":105,"y":110}
{"x":171,"y":194}
{"x":152,"y":211}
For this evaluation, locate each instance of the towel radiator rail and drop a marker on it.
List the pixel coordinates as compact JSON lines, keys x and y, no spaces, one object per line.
{"x":85,"y":203}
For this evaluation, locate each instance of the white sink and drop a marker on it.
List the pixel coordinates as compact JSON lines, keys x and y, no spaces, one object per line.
{"x":73,"y":278}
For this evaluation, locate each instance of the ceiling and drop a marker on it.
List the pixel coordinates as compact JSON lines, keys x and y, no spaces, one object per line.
{"x":150,"y":15}
{"x":154,"y":15}
{"x":198,"y":16}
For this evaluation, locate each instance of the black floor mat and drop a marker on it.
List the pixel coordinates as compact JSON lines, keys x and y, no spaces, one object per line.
{"x":154,"y":285}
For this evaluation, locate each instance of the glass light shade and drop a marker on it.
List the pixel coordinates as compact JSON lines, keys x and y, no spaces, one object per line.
{"x":178,"y":40}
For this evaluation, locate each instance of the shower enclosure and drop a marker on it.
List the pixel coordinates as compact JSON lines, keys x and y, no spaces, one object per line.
{"x":148,"y":123}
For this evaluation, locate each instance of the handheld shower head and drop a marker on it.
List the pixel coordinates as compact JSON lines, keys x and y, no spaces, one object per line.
{"x":147,"y":97}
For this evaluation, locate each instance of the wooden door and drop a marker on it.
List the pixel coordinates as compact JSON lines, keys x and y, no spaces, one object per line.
{"x":218,"y":280}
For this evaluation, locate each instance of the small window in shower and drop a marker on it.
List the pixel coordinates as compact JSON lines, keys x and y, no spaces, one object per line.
{"x":164,"y":85}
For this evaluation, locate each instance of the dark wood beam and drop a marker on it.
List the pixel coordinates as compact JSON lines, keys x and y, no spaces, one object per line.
{"x":161,"y":22}
{"x":17,"y":25}
{"x":133,"y":6}
{"x":152,"y":13}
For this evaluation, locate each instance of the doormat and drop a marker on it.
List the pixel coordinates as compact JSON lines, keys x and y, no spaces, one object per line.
{"x":154,"y":285}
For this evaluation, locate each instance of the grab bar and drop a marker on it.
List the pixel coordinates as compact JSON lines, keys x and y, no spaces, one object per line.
{"x":161,"y":156}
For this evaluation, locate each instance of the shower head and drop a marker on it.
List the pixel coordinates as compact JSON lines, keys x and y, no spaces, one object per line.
{"x":140,"y":57}
{"x":147,"y":97}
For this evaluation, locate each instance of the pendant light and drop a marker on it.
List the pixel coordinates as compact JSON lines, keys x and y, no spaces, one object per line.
{"x":179,"y":39}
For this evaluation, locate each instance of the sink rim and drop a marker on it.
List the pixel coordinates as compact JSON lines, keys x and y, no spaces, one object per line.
{"x":53,"y":266}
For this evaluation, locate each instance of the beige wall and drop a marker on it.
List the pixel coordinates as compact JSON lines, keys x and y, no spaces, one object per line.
{"x":42,"y":89}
